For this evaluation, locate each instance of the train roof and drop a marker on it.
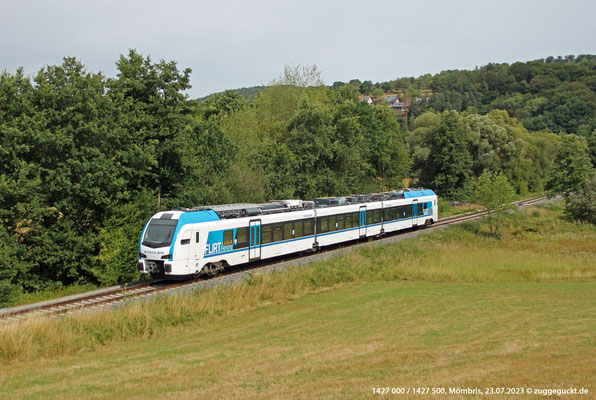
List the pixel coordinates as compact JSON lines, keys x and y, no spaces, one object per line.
{"x":239,"y":210}
{"x":418,"y":193}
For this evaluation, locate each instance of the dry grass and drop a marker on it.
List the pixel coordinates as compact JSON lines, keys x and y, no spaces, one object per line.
{"x":341,"y":343}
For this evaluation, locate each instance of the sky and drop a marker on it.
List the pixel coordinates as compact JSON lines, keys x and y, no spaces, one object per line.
{"x":230,"y":44}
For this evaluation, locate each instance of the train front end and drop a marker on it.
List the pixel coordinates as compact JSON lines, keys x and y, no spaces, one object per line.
{"x":170,"y":243}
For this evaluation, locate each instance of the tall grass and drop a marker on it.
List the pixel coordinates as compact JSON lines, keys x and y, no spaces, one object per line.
{"x":535,"y":245}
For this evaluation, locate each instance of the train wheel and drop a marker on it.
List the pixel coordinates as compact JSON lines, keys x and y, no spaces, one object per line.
{"x":204,"y":271}
{"x":213,"y":269}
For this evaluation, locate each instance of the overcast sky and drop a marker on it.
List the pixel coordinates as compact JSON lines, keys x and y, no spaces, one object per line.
{"x":232,"y":44}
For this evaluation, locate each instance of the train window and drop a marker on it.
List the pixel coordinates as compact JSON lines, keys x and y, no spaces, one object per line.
{"x":309,"y":228}
{"x":266,"y":234}
{"x":387,"y":214}
{"x":186,"y":237}
{"x":348,"y":221}
{"x":323,"y":225}
{"x":341,"y":222}
{"x":278,"y":234}
{"x":288,"y":231}
{"x":420,"y":210}
{"x":228,"y":237}
{"x":159,"y":233}
{"x":197,"y":237}
{"x":241,"y":238}
{"x":369,"y":217}
{"x":298,"y":229}
{"x":409,"y":212}
{"x":377,"y":216}
{"x":332,"y":223}
{"x":356,"y":219}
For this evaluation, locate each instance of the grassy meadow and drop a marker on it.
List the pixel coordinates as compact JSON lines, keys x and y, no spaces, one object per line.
{"x":456,"y":308}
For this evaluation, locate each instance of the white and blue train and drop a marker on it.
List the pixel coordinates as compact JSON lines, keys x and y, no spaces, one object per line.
{"x":205,"y":240}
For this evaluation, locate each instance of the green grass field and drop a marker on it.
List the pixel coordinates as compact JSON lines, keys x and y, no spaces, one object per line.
{"x":453,"y":309}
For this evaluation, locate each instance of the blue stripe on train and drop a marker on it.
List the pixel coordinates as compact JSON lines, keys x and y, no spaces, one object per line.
{"x":312,"y":236}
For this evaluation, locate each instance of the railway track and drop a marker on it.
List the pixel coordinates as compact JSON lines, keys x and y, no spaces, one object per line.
{"x":478,"y":214}
{"x":117,"y":295}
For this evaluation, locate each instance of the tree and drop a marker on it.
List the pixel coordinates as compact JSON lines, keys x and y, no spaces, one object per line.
{"x":419,"y":141}
{"x":581,"y":206}
{"x":220,"y":105}
{"x":62,"y":174}
{"x":571,"y":167}
{"x":384,"y":148}
{"x":366,"y":87}
{"x":592,"y":147}
{"x":449,"y":166}
{"x":494,"y":193}
{"x":277,"y":104}
{"x":300,"y":76}
{"x":310,"y":135}
{"x":151,"y":96}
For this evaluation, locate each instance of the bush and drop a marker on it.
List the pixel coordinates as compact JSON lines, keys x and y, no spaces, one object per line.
{"x":7,"y":293}
{"x":581,"y":206}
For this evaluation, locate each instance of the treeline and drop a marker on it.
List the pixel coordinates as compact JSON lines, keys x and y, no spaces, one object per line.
{"x":85,"y":159}
{"x":557,"y":94}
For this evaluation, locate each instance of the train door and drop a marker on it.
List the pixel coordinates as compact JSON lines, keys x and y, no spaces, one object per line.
{"x":254,"y":248}
{"x":362,"y":221}
{"x":415,"y":213}
{"x":195,"y":252}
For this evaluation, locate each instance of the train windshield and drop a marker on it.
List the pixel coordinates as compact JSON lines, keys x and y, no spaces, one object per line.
{"x":160,"y":233}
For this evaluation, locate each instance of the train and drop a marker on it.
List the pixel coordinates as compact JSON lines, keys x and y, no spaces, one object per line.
{"x":203,"y":241}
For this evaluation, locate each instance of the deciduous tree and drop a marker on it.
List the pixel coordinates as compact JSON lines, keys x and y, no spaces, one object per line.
{"x":494,"y":193}
{"x":571,"y":167}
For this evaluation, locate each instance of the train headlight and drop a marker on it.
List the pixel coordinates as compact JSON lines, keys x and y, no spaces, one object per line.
{"x":142,"y":255}
{"x":166,"y":257}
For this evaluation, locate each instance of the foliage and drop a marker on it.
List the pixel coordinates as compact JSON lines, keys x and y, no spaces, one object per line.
{"x":494,"y":141}
{"x":152,"y":94}
{"x":221,"y":105}
{"x":85,"y":159}
{"x":77,"y":149}
{"x":571,"y":167}
{"x":448,"y":168}
{"x":552,"y":94}
{"x":494,"y":193}
{"x":581,"y":206}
